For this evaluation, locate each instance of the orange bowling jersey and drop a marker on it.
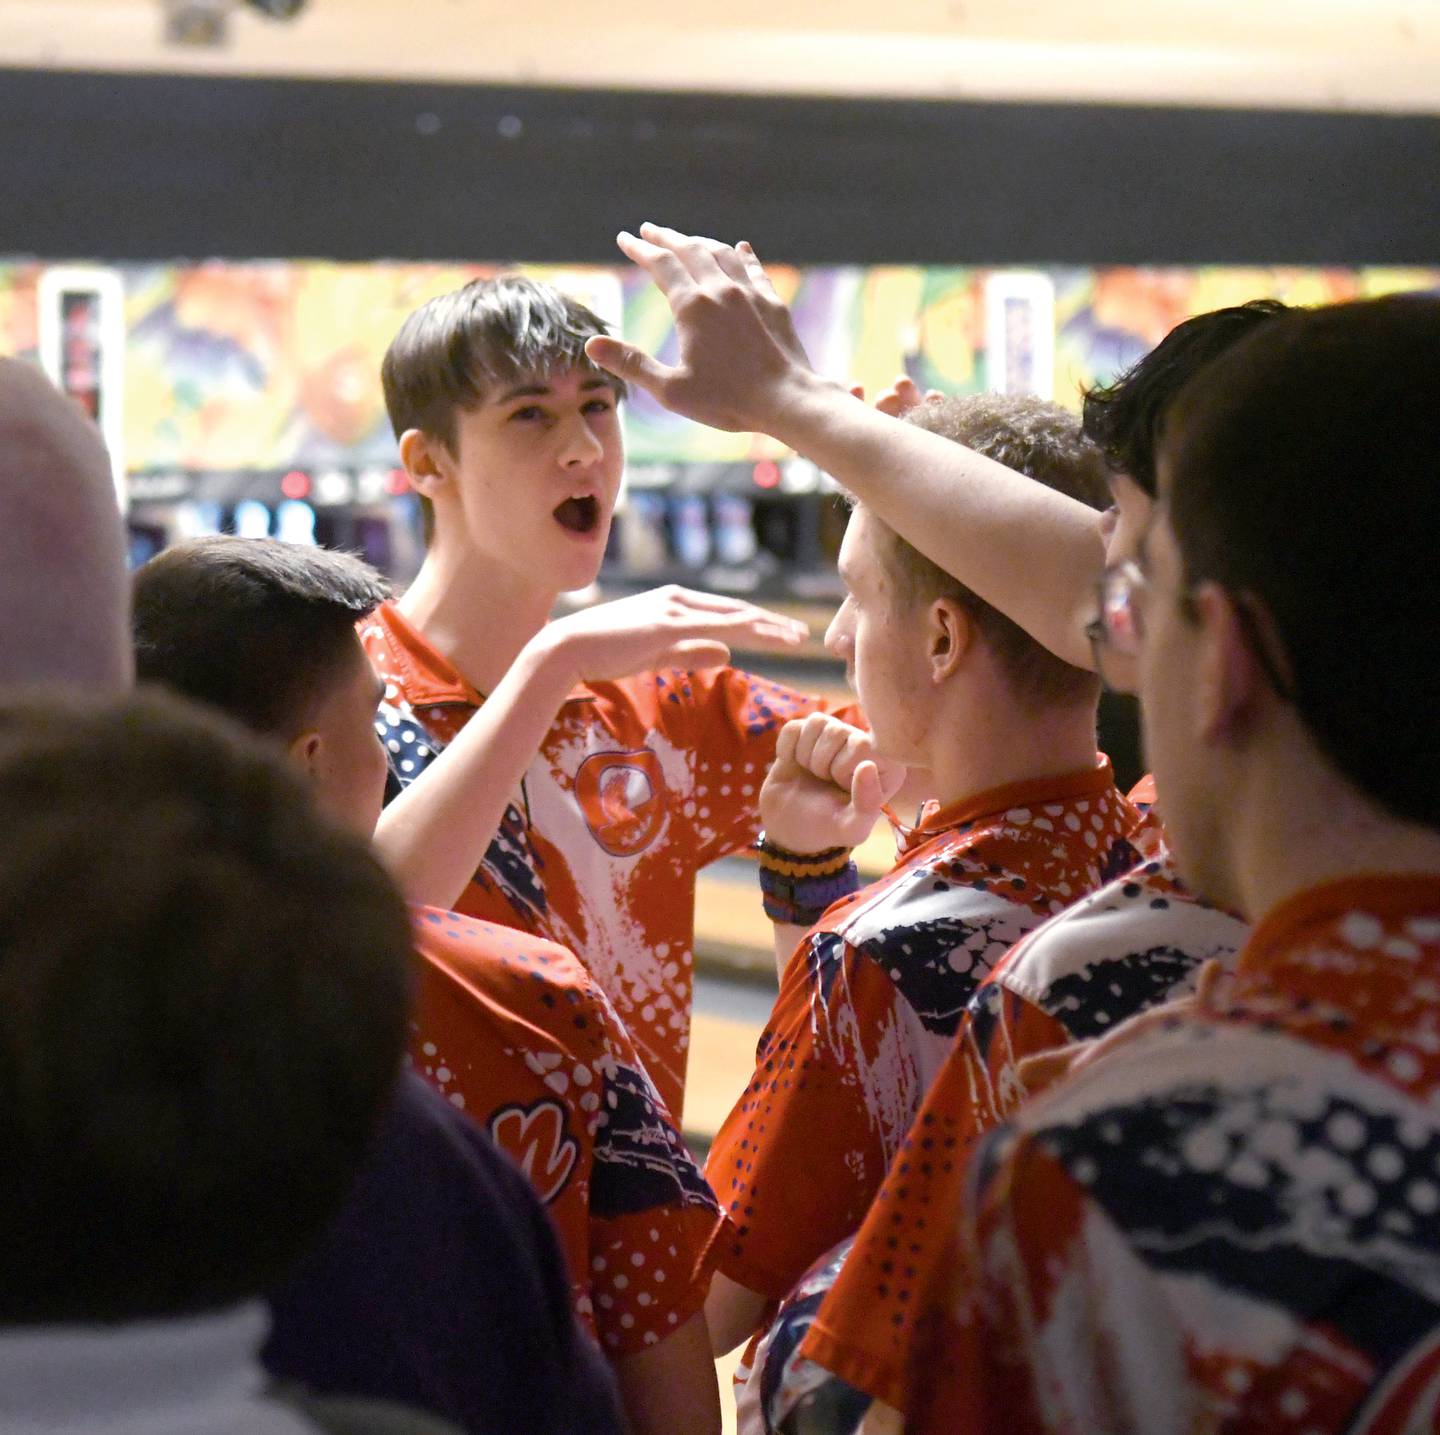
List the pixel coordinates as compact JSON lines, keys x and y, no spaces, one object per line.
{"x":868,"y":1008}
{"x":1139,"y":941}
{"x":638,"y":784}
{"x":514,"y":1031}
{"x":1231,"y":1223}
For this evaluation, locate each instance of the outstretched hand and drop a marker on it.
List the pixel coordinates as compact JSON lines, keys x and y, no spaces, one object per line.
{"x":826,"y":787}
{"x":738,"y":348}
{"x":670,"y":627}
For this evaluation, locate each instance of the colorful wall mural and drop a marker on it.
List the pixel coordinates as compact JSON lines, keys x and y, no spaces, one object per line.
{"x":274,"y":365}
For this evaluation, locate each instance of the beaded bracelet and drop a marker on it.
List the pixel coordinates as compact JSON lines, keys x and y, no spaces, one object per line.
{"x":798,"y":887}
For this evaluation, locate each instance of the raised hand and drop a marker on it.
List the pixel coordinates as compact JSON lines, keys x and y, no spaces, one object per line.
{"x":826,"y":787}
{"x":670,"y":627}
{"x":740,"y":358}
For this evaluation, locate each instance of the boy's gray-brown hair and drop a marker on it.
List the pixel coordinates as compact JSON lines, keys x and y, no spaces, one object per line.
{"x":1043,"y":441}
{"x":453,"y":351}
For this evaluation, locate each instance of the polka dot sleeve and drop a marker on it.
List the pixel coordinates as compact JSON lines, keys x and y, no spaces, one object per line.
{"x":652,"y":1214}
{"x":731,"y":720}
{"x":799,"y":1158}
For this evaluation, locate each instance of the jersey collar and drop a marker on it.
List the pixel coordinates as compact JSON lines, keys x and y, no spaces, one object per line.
{"x":427,"y":677}
{"x":1075,"y":786}
{"x":1311,"y":913}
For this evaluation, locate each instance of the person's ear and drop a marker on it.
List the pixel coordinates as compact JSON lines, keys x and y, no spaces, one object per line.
{"x":1231,"y":681}
{"x":305,"y":750}
{"x":422,"y":457}
{"x":949,"y":634}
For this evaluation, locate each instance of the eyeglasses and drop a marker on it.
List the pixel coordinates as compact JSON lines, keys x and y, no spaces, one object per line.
{"x":1118,"y":628}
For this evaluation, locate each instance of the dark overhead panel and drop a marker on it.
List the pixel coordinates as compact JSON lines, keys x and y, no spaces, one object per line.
{"x":142,"y":166}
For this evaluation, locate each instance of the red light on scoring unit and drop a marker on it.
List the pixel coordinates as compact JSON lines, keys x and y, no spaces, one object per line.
{"x":295,"y":484}
{"x":766,"y":474}
{"x":397,"y":481}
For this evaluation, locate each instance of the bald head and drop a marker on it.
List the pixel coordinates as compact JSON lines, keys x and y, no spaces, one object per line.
{"x":63,"y":587}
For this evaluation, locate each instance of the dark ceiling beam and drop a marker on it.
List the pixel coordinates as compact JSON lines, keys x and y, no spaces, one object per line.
{"x":126,"y":166}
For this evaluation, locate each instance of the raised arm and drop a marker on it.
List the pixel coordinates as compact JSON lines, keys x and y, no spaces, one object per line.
{"x":1027,"y":550}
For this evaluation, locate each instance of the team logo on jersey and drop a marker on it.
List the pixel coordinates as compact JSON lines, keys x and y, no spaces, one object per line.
{"x":534,"y":1138}
{"x":621,"y":795}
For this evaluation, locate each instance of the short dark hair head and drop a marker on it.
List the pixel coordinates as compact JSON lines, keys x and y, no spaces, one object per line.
{"x":258,"y":628}
{"x":204,"y":992}
{"x":1123,"y":417}
{"x":453,"y":351}
{"x":1303,"y":469}
{"x":1033,"y":437}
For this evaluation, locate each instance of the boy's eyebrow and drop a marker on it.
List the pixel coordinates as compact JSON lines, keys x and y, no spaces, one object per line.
{"x":532,"y":391}
{"x":524,"y":391}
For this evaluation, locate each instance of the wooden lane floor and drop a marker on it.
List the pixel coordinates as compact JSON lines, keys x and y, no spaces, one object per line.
{"x":728,"y":1019}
